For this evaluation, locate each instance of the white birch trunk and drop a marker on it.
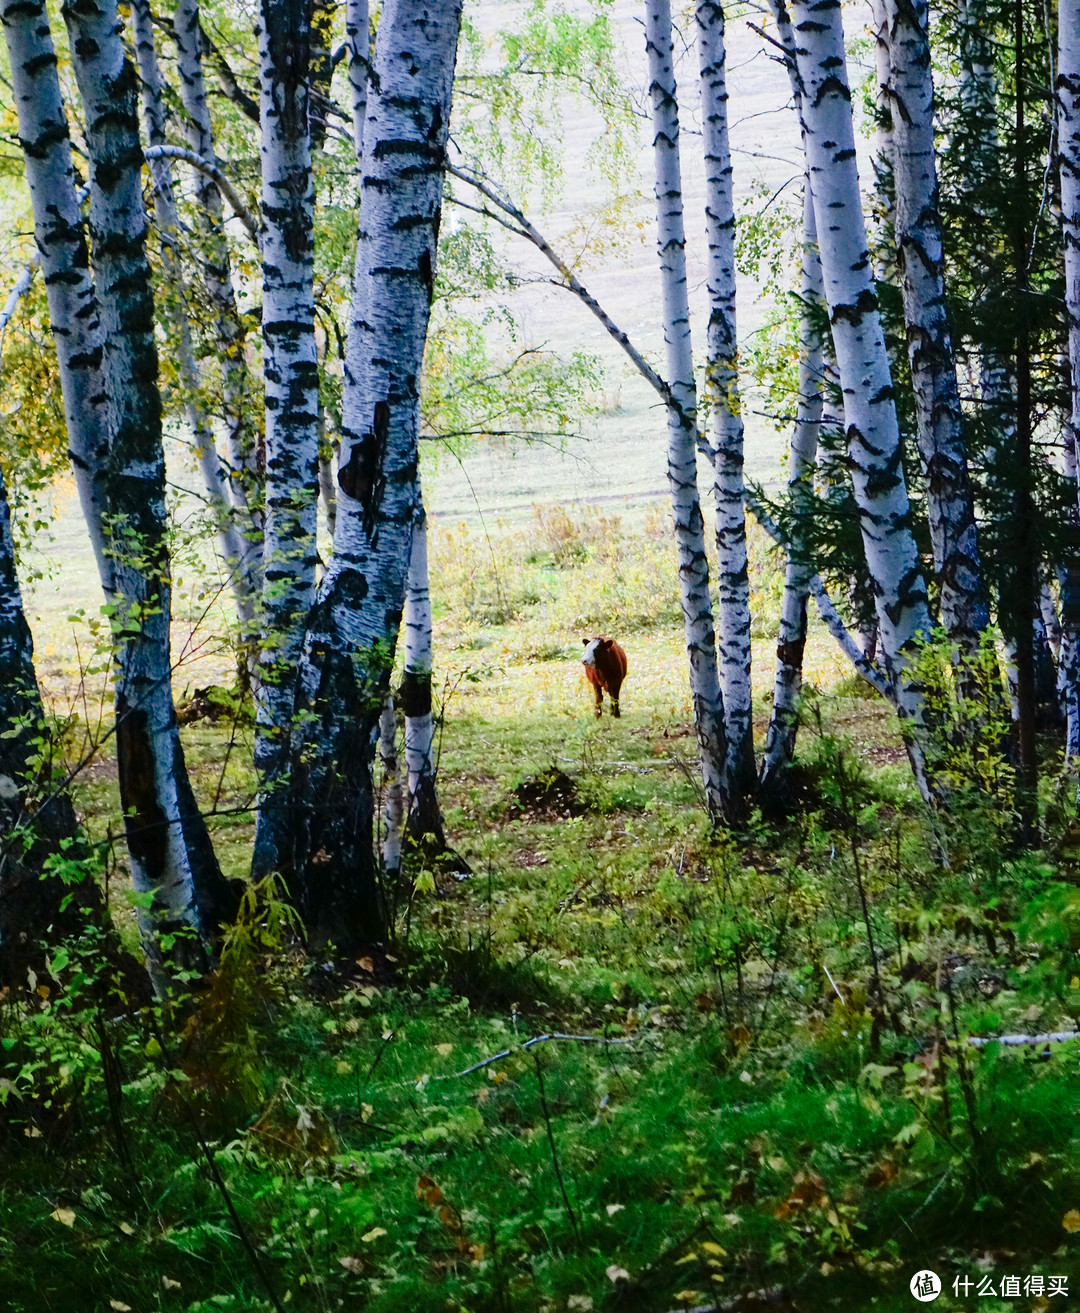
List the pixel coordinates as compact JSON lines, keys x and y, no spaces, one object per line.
{"x":425,"y":822}
{"x":682,"y":413}
{"x":358,"y":43}
{"x":291,"y":378}
{"x":873,"y":433}
{"x":921,"y":259}
{"x":722,"y":395}
{"x":65,"y":259}
{"x":244,"y":476}
{"x":791,"y":639}
{"x":1068,"y":133}
{"x":884,"y":218}
{"x":234,"y":550}
{"x":353,"y":629}
{"x":171,"y":854}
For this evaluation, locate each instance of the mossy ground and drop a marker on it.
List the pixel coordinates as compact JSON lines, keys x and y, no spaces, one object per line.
{"x":780,"y":1107}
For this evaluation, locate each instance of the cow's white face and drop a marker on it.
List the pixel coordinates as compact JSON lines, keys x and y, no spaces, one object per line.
{"x":591,"y":649}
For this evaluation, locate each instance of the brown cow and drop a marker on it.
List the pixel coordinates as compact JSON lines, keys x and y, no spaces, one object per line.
{"x":605,"y":668}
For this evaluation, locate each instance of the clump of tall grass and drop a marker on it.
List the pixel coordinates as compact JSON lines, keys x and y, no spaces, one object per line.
{"x":574,"y":570}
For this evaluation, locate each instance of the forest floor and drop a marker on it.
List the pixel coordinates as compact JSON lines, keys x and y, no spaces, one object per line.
{"x":625,"y":1064}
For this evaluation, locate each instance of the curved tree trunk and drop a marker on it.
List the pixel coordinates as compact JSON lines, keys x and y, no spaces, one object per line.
{"x":353,"y":630}
{"x":682,"y":415}
{"x":921,"y":258}
{"x":873,"y":433}
{"x":290,"y":372}
{"x":791,"y":639}
{"x":722,"y":395}
{"x":234,"y":550}
{"x":170,"y":849}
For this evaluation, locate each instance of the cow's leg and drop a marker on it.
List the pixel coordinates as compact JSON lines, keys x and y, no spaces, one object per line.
{"x":613,"y":693}
{"x":599,"y":700}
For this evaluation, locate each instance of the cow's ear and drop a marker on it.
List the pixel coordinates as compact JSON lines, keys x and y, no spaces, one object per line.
{"x":584,"y":642}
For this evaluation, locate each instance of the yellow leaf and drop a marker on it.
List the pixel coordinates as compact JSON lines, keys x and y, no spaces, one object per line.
{"x":443,"y":1049}
{"x":1071,"y":1220}
{"x":688,"y":1296}
{"x":616,"y":1273}
{"x":170,"y":1284}
{"x":127,"y":1228}
{"x":612,"y":1209}
{"x":120,"y":1307}
{"x":373,"y":1234}
{"x":64,"y":1215}
{"x":711,"y":1247}
{"x":351,"y":1264}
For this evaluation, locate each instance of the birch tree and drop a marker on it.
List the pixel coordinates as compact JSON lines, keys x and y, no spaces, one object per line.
{"x":791,"y":638}
{"x":354,"y":625}
{"x":291,"y":380}
{"x":682,"y":413}
{"x":171,"y":854}
{"x":215,"y":262}
{"x":424,"y":815}
{"x":235,"y":551}
{"x":722,"y":396}
{"x":1068,"y":135}
{"x":65,"y":260}
{"x":873,"y":433}
{"x":358,"y":53}
{"x":921,"y":261}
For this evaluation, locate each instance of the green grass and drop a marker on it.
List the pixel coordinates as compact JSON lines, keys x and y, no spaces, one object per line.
{"x":764,"y":1119}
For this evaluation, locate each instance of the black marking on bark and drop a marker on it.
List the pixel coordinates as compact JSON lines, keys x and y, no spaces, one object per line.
{"x":147,"y":831}
{"x":362,"y":477}
{"x":414,"y":694}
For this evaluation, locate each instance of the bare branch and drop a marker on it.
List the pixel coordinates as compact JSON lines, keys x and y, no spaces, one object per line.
{"x":211,"y":170}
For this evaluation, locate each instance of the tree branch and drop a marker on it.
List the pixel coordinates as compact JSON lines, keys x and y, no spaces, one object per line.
{"x":211,"y":170}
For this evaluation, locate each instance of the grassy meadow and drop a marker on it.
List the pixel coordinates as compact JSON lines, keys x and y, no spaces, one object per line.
{"x":626,"y":1064}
